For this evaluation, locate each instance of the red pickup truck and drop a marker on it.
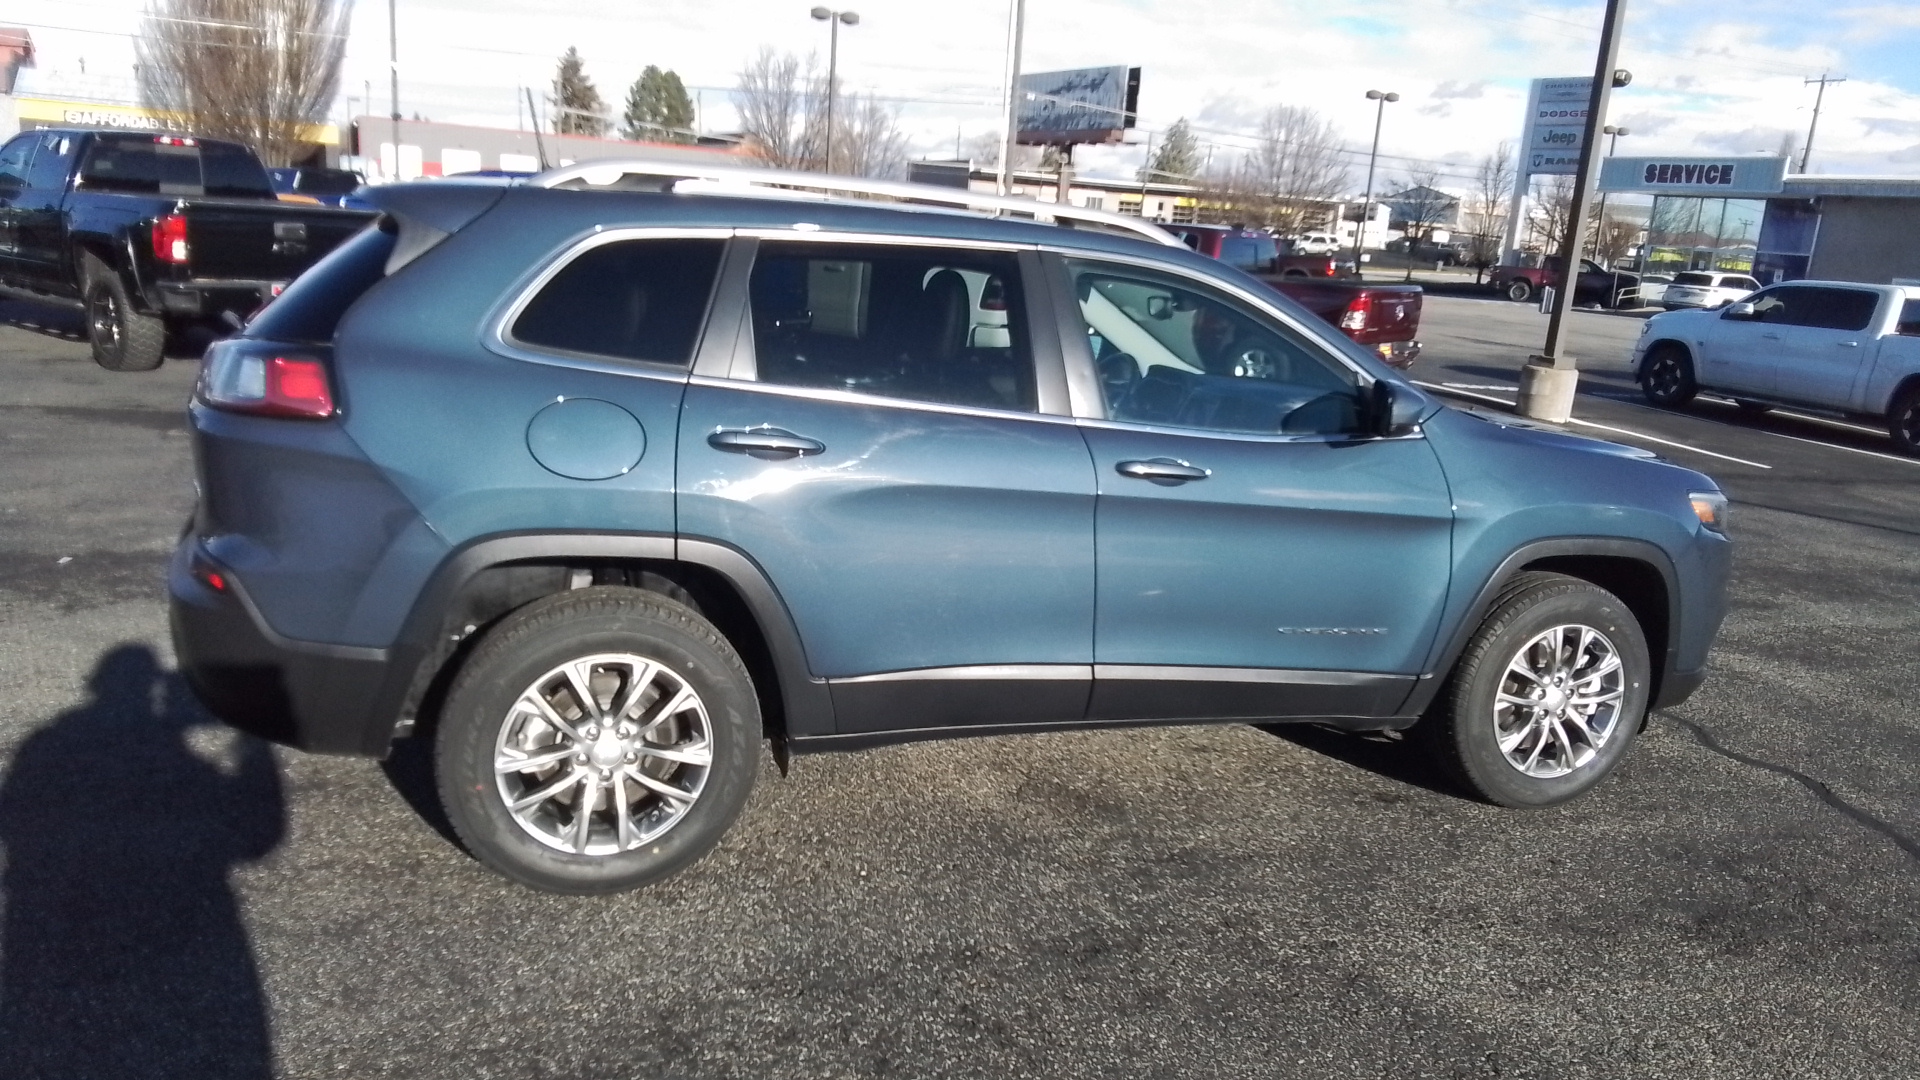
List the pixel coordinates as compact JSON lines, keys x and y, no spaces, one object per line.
{"x":1607,"y":288}
{"x":1385,"y":318}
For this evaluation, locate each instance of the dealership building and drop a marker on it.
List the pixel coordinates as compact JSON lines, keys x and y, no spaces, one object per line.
{"x":1748,"y":215}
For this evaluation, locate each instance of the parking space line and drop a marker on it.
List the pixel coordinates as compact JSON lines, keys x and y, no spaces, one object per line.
{"x":1449,"y":388}
{"x":1776,"y":434}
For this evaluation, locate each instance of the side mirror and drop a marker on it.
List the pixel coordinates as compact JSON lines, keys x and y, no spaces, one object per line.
{"x":1392,"y":409}
{"x":1741,"y":310}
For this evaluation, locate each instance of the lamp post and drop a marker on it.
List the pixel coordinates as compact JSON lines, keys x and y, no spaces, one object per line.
{"x":393,"y":72}
{"x":1613,"y":134}
{"x":1009,"y":130}
{"x":833,"y":19}
{"x":1366,"y":204}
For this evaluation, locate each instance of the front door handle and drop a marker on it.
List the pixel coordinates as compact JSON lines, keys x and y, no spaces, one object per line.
{"x":764,"y":442}
{"x":1162,"y":471}
{"x":1848,"y":344}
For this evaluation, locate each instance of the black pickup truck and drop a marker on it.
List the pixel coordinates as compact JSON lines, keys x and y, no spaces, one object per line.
{"x":150,"y":234}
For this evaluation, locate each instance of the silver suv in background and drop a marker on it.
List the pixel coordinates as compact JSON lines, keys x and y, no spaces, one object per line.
{"x":1705,"y":289}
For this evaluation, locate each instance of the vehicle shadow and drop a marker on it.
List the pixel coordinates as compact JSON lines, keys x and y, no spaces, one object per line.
{"x":1387,"y":753}
{"x":57,"y":322}
{"x":124,"y":949}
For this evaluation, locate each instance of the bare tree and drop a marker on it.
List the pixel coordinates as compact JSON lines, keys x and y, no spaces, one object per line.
{"x":782,"y":101}
{"x":1421,"y":207}
{"x":1294,"y":170}
{"x":253,"y":71}
{"x":1492,"y":187}
{"x":1552,"y":213}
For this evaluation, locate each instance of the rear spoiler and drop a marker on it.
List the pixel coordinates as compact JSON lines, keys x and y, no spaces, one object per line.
{"x":427,"y":213}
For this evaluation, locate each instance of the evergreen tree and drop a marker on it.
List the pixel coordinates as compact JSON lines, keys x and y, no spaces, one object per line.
{"x":658,"y":108}
{"x":1177,"y":158}
{"x":577,"y":108}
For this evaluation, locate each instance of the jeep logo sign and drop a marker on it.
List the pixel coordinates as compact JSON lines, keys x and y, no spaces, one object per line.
{"x":1724,"y":177}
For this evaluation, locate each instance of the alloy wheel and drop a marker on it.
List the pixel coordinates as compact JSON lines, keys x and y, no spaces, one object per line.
{"x":603,"y":754}
{"x":104,"y":315}
{"x":1559,"y":701}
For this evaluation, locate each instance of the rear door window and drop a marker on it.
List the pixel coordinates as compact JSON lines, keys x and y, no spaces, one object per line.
{"x":926,"y":324}
{"x":51,"y":162}
{"x":1909,"y":319}
{"x":1838,"y":309}
{"x":629,"y":299}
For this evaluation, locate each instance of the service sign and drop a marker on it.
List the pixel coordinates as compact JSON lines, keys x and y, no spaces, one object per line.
{"x":1735,"y":177}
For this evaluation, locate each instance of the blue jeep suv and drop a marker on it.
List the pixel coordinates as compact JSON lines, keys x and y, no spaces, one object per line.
{"x":600,"y":479}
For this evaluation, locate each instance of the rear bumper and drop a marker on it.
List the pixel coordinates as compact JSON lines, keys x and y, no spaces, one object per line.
{"x":210,"y":296}
{"x":1399,"y":354}
{"x":325,"y":698}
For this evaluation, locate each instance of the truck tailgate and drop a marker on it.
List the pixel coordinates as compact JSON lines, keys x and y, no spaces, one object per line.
{"x":263,"y":241}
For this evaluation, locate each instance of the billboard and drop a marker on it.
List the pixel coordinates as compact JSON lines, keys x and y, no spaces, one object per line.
{"x":1085,"y":105}
{"x":1554,"y":138}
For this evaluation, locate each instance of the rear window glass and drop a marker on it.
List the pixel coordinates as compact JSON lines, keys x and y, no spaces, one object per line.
{"x":1693,"y":279}
{"x":145,"y":165}
{"x":1909,"y":319}
{"x":1249,"y":252}
{"x":632,"y":299}
{"x":327,"y":182}
{"x":311,"y":307}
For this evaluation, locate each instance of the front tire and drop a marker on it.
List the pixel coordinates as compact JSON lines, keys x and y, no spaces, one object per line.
{"x":598,"y":740}
{"x":1547,"y":697}
{"x":123,"y":338}
{"x":1518,"y":290}
{"x":1666,"y":376}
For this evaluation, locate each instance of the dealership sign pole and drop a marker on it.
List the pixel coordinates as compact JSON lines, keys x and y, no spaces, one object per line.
{"x":1547,"y":381}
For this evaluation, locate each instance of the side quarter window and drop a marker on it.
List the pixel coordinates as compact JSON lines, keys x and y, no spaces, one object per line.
{"x":1175,"y":353}
{"x":629,"y":299}
{"x":938,"y":325}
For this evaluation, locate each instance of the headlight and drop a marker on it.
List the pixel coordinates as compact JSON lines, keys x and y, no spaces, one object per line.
{"x":1711,"y":508}
{"x":1646,"y":328}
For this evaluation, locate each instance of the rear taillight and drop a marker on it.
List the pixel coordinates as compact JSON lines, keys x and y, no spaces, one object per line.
{"x":1333,"y":268}
{"x":170,"y":238}
{"x":261,"y":380}
{"x":1358,"y":309}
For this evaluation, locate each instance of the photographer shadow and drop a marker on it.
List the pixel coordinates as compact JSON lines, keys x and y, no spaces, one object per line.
{"x":124,"y":949}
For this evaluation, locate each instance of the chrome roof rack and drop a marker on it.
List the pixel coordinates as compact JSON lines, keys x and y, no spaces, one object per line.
{"x":691,"y":179}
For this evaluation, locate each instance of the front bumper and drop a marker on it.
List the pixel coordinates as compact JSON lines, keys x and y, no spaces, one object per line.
{"x":313,"y":696}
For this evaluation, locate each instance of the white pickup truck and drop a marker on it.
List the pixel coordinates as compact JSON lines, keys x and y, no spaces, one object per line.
{"x":1830,"y":346}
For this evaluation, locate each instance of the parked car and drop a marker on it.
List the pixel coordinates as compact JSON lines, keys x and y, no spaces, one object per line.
{"x":1836,"y":346}
{"x":1317,"y":243}
{"x":1426,"y":251}
{"x":1653,"y":288}
{"x":1597,"y":285}
{"x":1703,"y":289}
{"x":599,"y":481}
{"x":1385,"y":318}
{"x":148,"y":234}
{"x":328,"y":187}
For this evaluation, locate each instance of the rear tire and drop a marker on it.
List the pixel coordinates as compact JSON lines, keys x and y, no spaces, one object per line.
{"x":1666,"y":376}
{"x":668,"y":710}
{"x":1903,"y":421}
{"x":123,"y":339}
{"x":1547,"y":697}
{"x":1518,"y":290}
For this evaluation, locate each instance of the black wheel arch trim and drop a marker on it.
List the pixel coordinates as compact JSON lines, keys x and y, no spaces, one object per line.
{"x":1642,"y":551}
{"x":1647,"y":353}
{"x":425,"y":644}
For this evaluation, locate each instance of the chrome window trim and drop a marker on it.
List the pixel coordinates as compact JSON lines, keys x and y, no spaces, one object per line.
{"x":822,"y":236}
{"x":499,"y":338}
{"x":852,"y":397}
{"x":1417,"y":432}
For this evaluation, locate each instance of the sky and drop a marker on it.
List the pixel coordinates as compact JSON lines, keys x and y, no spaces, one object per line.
{"x":1709,"y":77}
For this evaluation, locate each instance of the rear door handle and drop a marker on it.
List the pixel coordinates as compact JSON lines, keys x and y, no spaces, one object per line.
{"x":1848,"y":344}
{"x":1162,"y":471}
{"x":1771,"y":336}
{"x":764,"y":442}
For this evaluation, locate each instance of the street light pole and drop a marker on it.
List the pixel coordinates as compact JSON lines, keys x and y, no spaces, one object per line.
{"x":393,"y":72}
{"x":1548,"y":378}
{"x":1819,"y":99}
{"x":1366,"y":204}
{"x":1009,"y":120}
{"x":833,"y":19}
{"x":1613,"y":141}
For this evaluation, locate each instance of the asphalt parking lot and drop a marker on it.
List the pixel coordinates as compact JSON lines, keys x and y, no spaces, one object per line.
{"x":1741,"y":900}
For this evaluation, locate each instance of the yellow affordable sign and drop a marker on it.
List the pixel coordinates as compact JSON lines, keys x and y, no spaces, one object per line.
{"x":54,"y":112}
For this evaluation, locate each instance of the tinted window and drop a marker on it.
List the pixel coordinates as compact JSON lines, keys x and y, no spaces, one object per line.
{"x":632,"y":299}
{"x":1249,"y":252}
{"x":1909,"y":319}
{"x":1173,"y":353}
{"x":52,"y":158}
{"x":1785,"y":305}
{"x":327,"y":182}
{"x":311,"y":307}
{"x":1838,"y":309}
{"x":1690,"y":278}
{"x":153,"y":165}
{"x":13,"y":161}
{"x":925,"y":324}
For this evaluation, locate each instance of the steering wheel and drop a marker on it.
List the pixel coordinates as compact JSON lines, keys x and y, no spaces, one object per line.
{"x":1256,"y":364}
{"x":1118,"y":373}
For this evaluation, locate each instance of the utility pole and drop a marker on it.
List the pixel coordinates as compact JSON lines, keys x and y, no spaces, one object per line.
{"x":1819,"y":97}
{"x":833,"y":19}
{"x":393,"y":72}
{"x":1548,"y":378}
{"x":1009,"y":122}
